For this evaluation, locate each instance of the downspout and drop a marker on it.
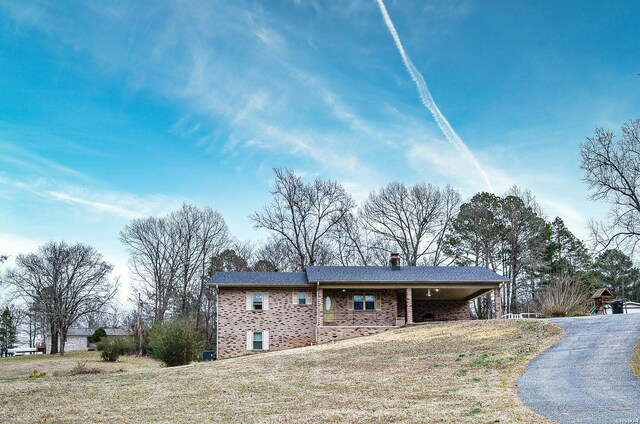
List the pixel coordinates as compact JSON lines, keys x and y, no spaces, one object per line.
{"x":318,"y":300}
{"x":217,"y":324}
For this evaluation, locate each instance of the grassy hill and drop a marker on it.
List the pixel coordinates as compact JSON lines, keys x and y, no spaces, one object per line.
{"x":440,"y":372}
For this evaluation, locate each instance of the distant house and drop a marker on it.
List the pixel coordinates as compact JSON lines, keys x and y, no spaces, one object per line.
{"x":79,"y":339}
{"x":260,"y":311}
{"x":627,"y":308}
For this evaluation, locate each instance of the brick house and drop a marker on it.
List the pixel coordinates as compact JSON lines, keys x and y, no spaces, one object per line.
{"x":260,"y":311}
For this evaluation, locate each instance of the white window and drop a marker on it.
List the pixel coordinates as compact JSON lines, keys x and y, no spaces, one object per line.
{"x":301,"y":298}
{"x":257,"y":340}
{"x":257,"y":301}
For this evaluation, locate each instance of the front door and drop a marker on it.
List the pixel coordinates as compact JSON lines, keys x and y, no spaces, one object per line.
{"x":329,"y":310}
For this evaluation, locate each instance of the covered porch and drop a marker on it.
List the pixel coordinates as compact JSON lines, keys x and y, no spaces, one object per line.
{"x":394,"y":306}
{"x":443,"y":302}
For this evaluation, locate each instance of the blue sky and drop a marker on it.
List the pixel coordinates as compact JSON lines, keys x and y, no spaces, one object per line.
{"x":116,"y":110}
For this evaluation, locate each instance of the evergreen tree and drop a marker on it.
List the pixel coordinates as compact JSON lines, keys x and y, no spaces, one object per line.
{"x":615,"y":270}
{"x":8,"y":334}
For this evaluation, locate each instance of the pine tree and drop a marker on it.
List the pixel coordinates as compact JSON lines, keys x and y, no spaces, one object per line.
{"x":8,"y":336}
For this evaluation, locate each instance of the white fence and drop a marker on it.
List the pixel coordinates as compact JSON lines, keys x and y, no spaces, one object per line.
{"x":521,"y":316}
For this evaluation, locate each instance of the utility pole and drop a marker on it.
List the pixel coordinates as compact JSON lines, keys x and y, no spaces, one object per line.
{"x":140,"y":331}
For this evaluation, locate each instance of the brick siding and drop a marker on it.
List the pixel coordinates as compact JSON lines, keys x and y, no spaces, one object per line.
{"x":441,"y":309}
{"x":289,"y":325}
{"x":292,"y":325}
{"x":385,"y":316}
{"x":331,"y":333}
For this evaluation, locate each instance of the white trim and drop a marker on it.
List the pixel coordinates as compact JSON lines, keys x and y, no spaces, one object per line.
{"x":317,"y":311}
{"x":217,"y":324}
{"x":265,"y":340}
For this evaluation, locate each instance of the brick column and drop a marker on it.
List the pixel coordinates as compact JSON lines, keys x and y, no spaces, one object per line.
{"x":497,"y":303}
{"x":409,"y":306}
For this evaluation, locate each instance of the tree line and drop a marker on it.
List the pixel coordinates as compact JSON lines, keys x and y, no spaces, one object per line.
{"x":317,"y":222}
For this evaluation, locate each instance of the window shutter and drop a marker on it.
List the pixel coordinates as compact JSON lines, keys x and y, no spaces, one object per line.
{"x":309,"y":298}
{"x":295,"y":297}
{"x":265,"y":301}
{"x":350,"y":301}
{"x":265,"y":340}
{"x":249,"y":301}
{"x":249,"y":340}
{"x":378,"y":301}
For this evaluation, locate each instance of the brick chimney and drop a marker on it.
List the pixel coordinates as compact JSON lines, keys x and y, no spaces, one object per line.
{"x":395,"y":261}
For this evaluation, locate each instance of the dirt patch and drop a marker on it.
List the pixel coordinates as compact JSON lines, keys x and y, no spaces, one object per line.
{"x":635,"y":360}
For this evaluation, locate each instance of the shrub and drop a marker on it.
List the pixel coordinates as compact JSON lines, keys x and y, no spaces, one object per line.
{"x":112,"y":347}
{"x":82,"y":369}
{"x":566,"y":296}
{"x":98,"y":335}
{"x":175,"y":342}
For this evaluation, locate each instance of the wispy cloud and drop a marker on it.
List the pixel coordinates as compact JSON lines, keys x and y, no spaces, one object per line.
{"x":429,"y":103}
{"x":117,"y":204}
{"x":10,"y":153}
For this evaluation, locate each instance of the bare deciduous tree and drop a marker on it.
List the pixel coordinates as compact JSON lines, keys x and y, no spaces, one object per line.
{"x":154,"y":260}
{"x":65,"y":282}
{"x":304,"y":214}
{"x":356,"y":244}
{"x":612,"y":171}
{"x":276,"y":254}
{"x":201,"y":234}
{"x":169,"y":256}
{"x":414,"y":219}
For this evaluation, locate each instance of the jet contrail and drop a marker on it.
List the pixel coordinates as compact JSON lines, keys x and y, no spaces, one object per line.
{"x":428,"y":102}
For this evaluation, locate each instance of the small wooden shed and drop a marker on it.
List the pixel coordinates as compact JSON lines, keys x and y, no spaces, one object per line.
{"x":601,"y":298}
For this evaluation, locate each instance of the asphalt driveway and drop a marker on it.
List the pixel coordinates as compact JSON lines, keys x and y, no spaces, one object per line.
{"x":586,"y":376}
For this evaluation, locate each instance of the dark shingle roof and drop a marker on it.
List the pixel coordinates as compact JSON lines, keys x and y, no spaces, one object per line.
{"x":415,"y":274}
{"x":260,"y":278}
{"x":404,"y":274}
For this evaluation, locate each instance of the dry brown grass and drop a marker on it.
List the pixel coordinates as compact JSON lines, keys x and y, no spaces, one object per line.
{"x":635,"y":360}
{"x":441,"y":372}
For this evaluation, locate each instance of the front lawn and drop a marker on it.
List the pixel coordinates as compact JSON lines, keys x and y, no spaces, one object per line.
{"x":439,"y":372}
